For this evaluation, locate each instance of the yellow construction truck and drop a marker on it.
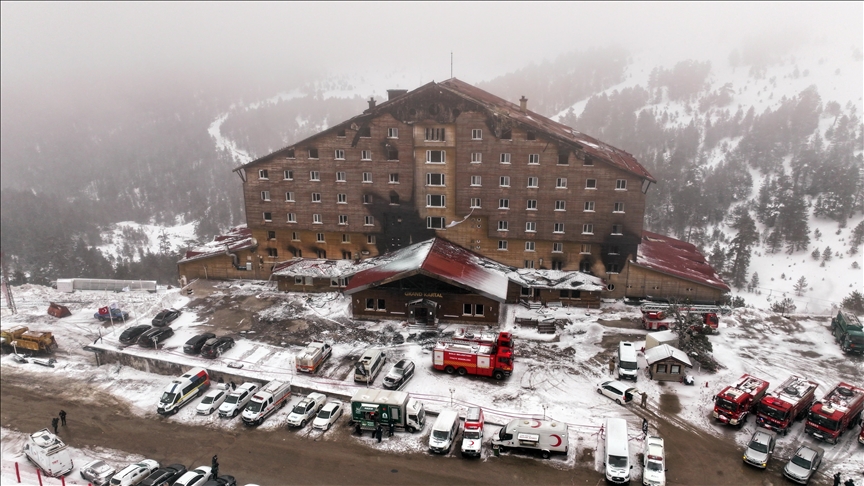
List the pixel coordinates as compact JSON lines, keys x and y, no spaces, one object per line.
{"x":20,"y":337}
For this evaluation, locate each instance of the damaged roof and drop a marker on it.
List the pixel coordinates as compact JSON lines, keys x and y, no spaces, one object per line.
{"x":498,"y":107}
{"x":556,"y":279}
{"x":678,"y":258}
{"x":235,"y":239}
{"x":319,"y":267}
{"x":439,"y":259}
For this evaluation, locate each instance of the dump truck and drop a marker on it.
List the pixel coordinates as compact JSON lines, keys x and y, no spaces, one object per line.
{"x":372,"y":407}
{"x":848,"y":332}
{"x":312,"y":356}
{"x":20,"y":337}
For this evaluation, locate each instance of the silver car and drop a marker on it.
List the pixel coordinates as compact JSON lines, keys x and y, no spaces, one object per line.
{"x":97,"y":472}
{"x":804,"y":463}
{"x":760,"y":448}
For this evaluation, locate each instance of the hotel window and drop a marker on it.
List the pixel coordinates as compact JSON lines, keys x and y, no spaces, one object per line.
{"x":365,"y":132}
{"x":556,"y":265}
{"x":367,"y":177}
{"x":434,"y":179}
{"x":532,"y":205}
{"x":394,"y":178}
{"x":434,"y":222}
{"x":476,"y":134}
{"x":475,"y":202}
{"x":587,"y":229}
{"x":504,"y":181}
{"x":533,"y":182}
{"x":530,"y":136}
{"x":502,"y":245}
{"x":434,"y":134}
{"x":268,"y":217}
{"x":503,"y":204}
{"x":319,"y":237}
{"x":588,"y":161}
{"x":507,"y":135}
{"x":561,"y":183}
{"x":316,"y":219}
{"x":531,"y":227}
{"x":346,"y":238}
{"x":472,"y":310}
{"x":265,"y":195}
{"x":340,"y":133}
{"x":394,"y":199}
{"x":341,"y":199}
{"x":298,"y":280}
{"x":365,"y":155}
{"x":529,"y":263}
{"x":435,"y":157}
{"x":612,"y":268}
{"x":505,"y":158}
{"x":529,"y":246}
{"x":585,"y":266}
{"x":557,"y":247}
{"x":475,"y":181}
{"x":502,"y":226}
{"x":290,"y":153}
{"x":295,"y":235}
{"x":343,"y":219}
{"x":533,"y":159}
{"x":262,"y":174}
{"x":525,"y":291}
{"x":619,"y":207}
{"x":340,"y":177}
{"x":614,"y":250}
{"x":585,"y":249}
{"x":313,"y":153}
{"x":560,"y":205}
{"x":370,"y":239}
{"x":558,"y":228}
{"x":434,"y":201}
{"x":314,"y":175}
{"x":288,"y":175}
{"x":392,"y":133}
{"x":392,"y":153}
{"x":272,"y":252}
{"x":271,"y":235}
{"x":589,"y":206}
{"x":621,"y":185}
{"x":563,"y":158}
{"x":316,"y":197}
{"x":340,"y":154}
{"x":476,"y":157}
{"x":289,"y":197}
{"x":375,"y":304}
{"x":617,"y":229}
{"x":367,"y":198}
{"x":292,"y":218}
{"x":368,"y":220}
{"x":591,"y":184}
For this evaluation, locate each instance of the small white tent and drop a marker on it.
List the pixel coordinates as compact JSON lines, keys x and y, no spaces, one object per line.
{"x":661,"y":337}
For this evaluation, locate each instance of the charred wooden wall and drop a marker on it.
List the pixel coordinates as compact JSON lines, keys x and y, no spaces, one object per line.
{"x":221,"y":267}
{"x":643,"y":283}
{"x":450,"y":306}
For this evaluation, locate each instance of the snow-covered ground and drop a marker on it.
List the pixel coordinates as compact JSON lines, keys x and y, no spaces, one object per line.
{"x":555,"y":375}
{"x":175,"y":237}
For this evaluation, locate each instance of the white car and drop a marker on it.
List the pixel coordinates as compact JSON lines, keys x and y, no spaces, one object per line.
{"x":195,"y":477}
{"x":135,"y":473}
{"x":237,"y":400}
{"x":306,"y":410}
{"x":97,"y":472}
{"x":328,"y":416}
{"x":617,"y":391}
{"x":654,"y":467}
{"x":211,"y":401}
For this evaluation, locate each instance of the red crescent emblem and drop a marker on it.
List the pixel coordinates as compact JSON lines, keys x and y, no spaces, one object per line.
{"x":538,"y":424}
{"x":559,"y":440}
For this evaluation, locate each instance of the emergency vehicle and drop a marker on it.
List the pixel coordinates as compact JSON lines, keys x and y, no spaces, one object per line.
{"x":657,"y":317}
{"x":183,"y":390}
{"x":272,"y":397}
{"x":472,"y":435}
{"x":48,"y":453}
{"x":312,"y":356}
{"x":787,"y":403}
{"x":837,"y":412}
{"x":735,"y":402}
{"x":475,"y":355}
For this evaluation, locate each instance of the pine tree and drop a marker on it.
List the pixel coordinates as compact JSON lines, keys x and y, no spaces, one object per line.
{"x":800,"y":286}
{"x":739,"y":251}
{"x":816,"y":254}
{"x":754,"y":282}
{"x":827,"y":254}
{"x":854,"y":302}
{"x":857,"y":235}
{"x":817,"y":234}
{"x":784,"y":307}
{"x":773,"y":242}
{"x":717,"y":258}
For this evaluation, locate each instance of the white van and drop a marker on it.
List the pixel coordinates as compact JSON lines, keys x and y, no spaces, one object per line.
{"x":444,"y":431}
{"x":616,"y":462}
{"x":369,"y":365}
{"x":48,"y":453}
{"x":547,"y":436}
{"x":628,"y":368}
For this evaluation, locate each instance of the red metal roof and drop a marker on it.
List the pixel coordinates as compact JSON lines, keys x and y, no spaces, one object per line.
{"x":677,"y":258}
{"x":440,"y":259}
{"x":236,"y":239}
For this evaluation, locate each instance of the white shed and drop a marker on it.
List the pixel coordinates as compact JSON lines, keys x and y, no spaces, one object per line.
{"x":661,"y":337}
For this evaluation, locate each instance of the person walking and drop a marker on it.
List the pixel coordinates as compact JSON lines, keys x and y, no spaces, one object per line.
{"x":63,"y":417}
{"x":54,"y":422}
{"x":214,"y":466}
{"x":378,"y":433}
{"x":612,"y":365}
{"x":392,"y":430}
{"x":837,"y":479}
{"x":644,"y":399}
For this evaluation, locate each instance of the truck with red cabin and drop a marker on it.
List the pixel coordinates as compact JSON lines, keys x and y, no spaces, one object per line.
{"x":483,"y":354}
{"x":735,"y":402}
{"x":657,"y":317}
{"x":837,"y":412}
{"x":787,"y":403}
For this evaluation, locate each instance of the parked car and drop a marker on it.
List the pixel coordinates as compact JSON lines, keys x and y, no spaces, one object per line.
{"x":195,"y":477}
{"x":211,"y":402}
{"x":399,"y":374}
{"x":164,"y":475}
{"x":224,"y":480}
{"x":328,"y":416}
{"x":135,"y":473}
{"x":214,"y":347}
{"x":237,"y":400}
{"x":654,"y":462}
{"x":760,"y":448}
{"x":617,"y":391}
{"x":165,"y":317}
{"x":131,"y":334}
{"x":152,"y":337}
{"x":97,"y":472}
{"x":306,"y":410}
{"x":194,"y":345}
{"x":804,"y":463}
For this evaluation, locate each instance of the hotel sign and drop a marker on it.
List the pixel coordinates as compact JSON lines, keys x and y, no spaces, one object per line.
{"x":423,"y":294}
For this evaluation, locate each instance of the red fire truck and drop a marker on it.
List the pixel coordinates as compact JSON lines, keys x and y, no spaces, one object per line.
{"x":735,"y":402}
{"x":787,"y":403}
{"x":475,"y":355}
{"x":839,"y":411}
{"x":656,"y":317}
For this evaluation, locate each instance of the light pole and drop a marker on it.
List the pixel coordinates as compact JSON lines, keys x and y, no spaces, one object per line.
{"x":451,"y":396}
{"x":544,"y":411}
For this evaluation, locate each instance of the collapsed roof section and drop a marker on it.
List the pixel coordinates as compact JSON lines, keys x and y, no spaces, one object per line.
{"x":235,"y":239}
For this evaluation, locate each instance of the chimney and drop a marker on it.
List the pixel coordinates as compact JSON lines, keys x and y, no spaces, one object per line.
{"x":371,"y":103}
{"x":523,"y":104}
{"x":395,"y":93}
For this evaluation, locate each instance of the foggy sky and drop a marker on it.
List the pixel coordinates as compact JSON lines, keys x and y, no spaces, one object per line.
{"x":59,"y":45}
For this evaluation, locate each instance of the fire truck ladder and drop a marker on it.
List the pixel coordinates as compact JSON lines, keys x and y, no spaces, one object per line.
{"x":700,"y":309}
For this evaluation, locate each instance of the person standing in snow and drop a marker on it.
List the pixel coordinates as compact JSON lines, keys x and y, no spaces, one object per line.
{"x":644,"y":399}
{"x":612,"y":365}
{"x":54,"y":422}
{"x":63,"y":417}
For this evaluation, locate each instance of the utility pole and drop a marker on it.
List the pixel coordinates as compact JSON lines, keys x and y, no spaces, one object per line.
{"x":7,"y":289}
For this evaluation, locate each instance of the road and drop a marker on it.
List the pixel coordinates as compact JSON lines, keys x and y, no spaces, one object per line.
{"x":280,"y":457}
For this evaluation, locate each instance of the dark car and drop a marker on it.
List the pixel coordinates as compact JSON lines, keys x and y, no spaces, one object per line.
{"x":224,"y":480}
{"x":193,"y":346}
{"x":164,"y":475}
{"x":214,"y":347}
{"x":401,"y":372}
{"x":154,"y":336}
{"x":165,"y":317}
{"x":131,"y":334}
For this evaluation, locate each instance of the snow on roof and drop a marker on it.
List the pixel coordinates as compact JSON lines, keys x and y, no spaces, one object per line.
{"x":556,"y":279}
{"x":664,"y":351}
{"x":236,"y":239}
{"x":677,"y":258}
{"x":319,"y":267}
{"x":439,"y":259}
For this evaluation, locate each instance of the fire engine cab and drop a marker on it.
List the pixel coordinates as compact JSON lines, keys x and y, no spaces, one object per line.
{"x":789,"y":402}
{"x":735,"y":402}
{"x":838,"y":411}
{"x":467,"y":354}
